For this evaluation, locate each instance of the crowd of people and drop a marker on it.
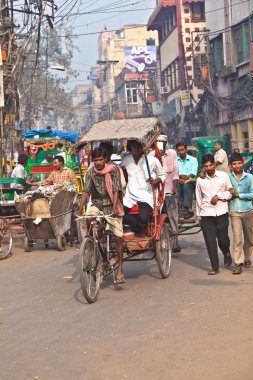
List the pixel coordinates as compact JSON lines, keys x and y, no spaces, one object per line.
{"x":222,"y":193}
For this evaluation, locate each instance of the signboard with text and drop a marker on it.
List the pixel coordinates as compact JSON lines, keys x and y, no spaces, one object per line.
{"x":139,"y":59}
{"x":185,"y":98}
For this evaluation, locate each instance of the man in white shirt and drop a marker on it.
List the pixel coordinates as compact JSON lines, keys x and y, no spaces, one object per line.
{"x":48,"y":160}
{"x":139,"y":190}
{"x":212,"y":195}
{"x":220,"y":157}
{"x":19,"y":171}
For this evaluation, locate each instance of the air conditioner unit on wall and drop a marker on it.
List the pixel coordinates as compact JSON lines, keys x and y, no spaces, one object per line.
{"x":164,"y":90}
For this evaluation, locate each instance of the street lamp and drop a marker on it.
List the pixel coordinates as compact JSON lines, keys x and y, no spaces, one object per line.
{"x":57,"y":67}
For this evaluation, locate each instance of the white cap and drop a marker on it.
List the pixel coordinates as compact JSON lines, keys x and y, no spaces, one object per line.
{"x":162,"y":138}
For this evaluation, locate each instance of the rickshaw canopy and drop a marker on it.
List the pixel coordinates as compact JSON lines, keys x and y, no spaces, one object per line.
{"x":50,"y":134}
{"x":145,"y":130}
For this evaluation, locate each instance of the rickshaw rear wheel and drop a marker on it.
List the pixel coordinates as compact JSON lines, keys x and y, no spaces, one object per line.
{"x":6,"y":241}
{"x":61,"y":243}
{"x":28,"y":245}
{"x":163,"y":251}
{"x":91,"y":273}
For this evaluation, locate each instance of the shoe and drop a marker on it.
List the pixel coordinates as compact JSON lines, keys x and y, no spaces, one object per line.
{"x":213,"y":272}
{"x":237,"y":270}
{"x":189,"y":214}
{"x":227,"y":260}
{"x":176,"y":249}
{"x":247,"y":264}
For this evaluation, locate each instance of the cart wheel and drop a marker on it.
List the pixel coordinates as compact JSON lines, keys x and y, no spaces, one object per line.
{"x":5,"y":239}
{"x":28,"y":245}
{"x":163,"y":252}
{"x":91,"y":274}
{"x":61,"y":243}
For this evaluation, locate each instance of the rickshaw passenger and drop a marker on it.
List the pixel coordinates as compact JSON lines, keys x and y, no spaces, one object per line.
{"x":139,"y":190}
{"x":103,"y":185}
{"x":60,"y":151}
{"x":188,"y":168}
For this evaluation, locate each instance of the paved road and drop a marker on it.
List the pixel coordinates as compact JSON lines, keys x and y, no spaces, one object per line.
{"x":190,"y":326}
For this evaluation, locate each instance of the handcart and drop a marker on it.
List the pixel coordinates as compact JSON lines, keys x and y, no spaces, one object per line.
{"x":44,"y":219}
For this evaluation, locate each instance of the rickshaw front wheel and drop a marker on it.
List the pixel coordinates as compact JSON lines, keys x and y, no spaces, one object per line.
{"x":5,"y":239}
{"x":91,"y":273}
{"x":163,"y":251}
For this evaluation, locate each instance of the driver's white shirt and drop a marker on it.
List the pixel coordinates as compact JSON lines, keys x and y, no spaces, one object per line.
{"x":138,"y":190}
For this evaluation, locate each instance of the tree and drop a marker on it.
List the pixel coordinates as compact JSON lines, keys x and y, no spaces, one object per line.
{"x":43,"y":96}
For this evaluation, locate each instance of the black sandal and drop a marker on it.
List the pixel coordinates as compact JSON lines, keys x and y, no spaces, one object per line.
{"x":247,"y":264}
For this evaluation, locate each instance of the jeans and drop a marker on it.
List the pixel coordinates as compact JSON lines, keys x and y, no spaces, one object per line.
{"x":186,"y":194}
{"x":139,"y":221}
{"x":216,"y":227}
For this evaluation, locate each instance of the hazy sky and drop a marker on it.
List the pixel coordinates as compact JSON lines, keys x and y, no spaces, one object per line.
{"x":92,"y":23}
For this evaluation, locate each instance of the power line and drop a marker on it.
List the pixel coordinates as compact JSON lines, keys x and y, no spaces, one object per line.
{"x":158,"y":23}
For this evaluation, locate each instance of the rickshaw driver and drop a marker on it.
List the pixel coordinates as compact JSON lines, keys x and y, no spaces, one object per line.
{"x":103,"y":185}
{"x":139,"y":190}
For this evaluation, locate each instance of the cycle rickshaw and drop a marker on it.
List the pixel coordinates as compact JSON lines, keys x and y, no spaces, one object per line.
{"x":98,"y":256}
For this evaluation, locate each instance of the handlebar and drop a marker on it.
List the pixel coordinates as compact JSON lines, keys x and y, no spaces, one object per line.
{"x":93,"y":216}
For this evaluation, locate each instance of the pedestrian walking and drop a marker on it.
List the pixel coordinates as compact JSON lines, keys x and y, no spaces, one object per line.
{"x":241,"y":213}
{"x":212,"y":195}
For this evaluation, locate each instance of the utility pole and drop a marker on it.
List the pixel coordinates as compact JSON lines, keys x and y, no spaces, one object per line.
{"x":2,"y":7}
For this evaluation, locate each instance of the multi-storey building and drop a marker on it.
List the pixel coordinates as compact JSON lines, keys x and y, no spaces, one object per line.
{"x":115,"y":93}
{"x":229,"y":95}
{"x":181,"y":29}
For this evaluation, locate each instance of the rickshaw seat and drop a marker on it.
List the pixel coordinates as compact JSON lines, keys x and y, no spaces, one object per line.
{"x":134,"y":210}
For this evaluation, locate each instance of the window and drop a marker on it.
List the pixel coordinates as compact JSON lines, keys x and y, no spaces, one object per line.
{"x":217,"y":53}
{"x":131,"y":94}
{"x":197,"y":69}
{"x":168,"y":22}
{"x":150,"y":42}
{"x":171,"y":76}
{"x":240,"y":38}
{"x":198,"y":12}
